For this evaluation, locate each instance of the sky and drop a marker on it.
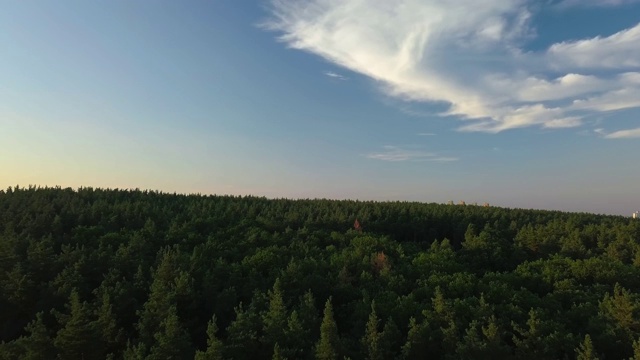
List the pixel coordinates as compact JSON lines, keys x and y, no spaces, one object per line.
{"x":518,"y":103}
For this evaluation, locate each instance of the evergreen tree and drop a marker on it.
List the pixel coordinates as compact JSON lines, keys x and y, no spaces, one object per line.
{"x":11,"y":350}
{"x":79,"y":338}
{"x":371,"y":339}
{"x":298,"y":340}
{"x":277,"y":354}
{"x":390,"y":339}
{"x":135,"y":352}
{"x":308,"y":314}
{"x":242,"y":334}
{"x":636,"y":350}
{"x":172,"y":341}
{"x":415,"y":346}
{"x":494,"y":345}
{"x":327,"y":347}
{"x":586,"y":350}
{"x":162,"y":297}
{"x":621,"y":308}
{"x":38,"y":345}
{"x":214,"y":345}
{"x":107,"y":326}
{"x":275,"y":319}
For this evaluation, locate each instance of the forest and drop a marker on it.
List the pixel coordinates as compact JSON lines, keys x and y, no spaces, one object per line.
{"x":94,"y":273}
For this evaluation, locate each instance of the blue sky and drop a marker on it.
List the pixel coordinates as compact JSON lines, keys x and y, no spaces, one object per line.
{"x":532,"y":104}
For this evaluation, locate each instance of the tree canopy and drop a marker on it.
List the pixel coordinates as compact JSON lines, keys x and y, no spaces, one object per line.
{"x":130,"y":274}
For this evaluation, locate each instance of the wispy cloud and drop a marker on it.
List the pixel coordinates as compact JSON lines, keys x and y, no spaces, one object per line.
{"x":566,"y":4}
{"x":624,"y":134}
{"x":474,"y":61}
{"x":618,"y":51}
{"x":426,"y":134}
{"x":394,"y":153}
{"x":335,"y":75}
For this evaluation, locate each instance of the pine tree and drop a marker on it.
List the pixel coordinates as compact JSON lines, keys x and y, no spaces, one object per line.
{"x":620,"y":308}
{"x":371,"y":338}
{"x":275,"y":319}
{"x":277,"y":354}
{"x":162,"y":297}
{"x":214,"y":345}
{"x":38,"y":345}
{"x":135,"y":352}
{"x":106,"y":323}
{"x":298,"y":341}
{"x":415,"y":347}
{"x":586,"y":350}
{"x":79,"y":338}
{"x":242,"y":334}
{"x":390,"y":339}
{"x":172,"y":341}
{"x":439,"y":304}
{"x":308,"y":314}
{"x":493,"y":339}
{"x":326,"y":349}
{"x":636,"y":350}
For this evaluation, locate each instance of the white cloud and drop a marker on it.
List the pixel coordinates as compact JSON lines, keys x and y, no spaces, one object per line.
{"x":613,"y":100}
{"x":335,"y":75}
{"x":594,"y":3}
{"x":570,"y":85}
{"x":620,"y":50}
{"x":470,"y":55}
{"x":567,"y":122}
{"x":624,"y":134}
{"x":394,"y":153}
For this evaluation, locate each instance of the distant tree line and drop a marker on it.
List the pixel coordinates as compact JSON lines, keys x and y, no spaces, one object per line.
{"x":128,"y":274}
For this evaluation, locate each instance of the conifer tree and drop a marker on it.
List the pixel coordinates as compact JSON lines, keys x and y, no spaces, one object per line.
{"x":38,"y":345}
{"x":371,"y":339}
{"x":327,"y":347}
{"x":636,"y":350}
{"x":620,"y":308}
{"x":275,"y":319}
{"x":297,"y":338}
{"x":79,"y":337}
{"x":135,"y":352}
{"x":586,"y":350}
{"x":214,"y":345}
{"x":277,"y":354}
{"x":107,"y":326}
{"x":415,"y":347}
{"x":308,"y":314}
{"x":242,"y":334}
{"x":390,"y":339}
{"x":162,"y":296}
{"x":172,"y":341}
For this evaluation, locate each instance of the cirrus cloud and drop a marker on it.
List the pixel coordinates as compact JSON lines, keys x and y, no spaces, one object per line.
{"x":395,"y":153}
{"x":476,"y":61}
{"x":624,"y":134}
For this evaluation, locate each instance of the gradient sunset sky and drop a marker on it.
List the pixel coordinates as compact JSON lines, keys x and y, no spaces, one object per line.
{"x":532,"y":104}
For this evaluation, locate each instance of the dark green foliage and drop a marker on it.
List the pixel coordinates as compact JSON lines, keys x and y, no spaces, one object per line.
{"x":242,"y":334}
{"x":79,"y":337}
{"x":372,"y":337}
{"x":38,"y":345}
{"x":327,"y":347}
{"x":277,"y":354}
{"x":586,"y":351}
{"x":95,"y":273}
{"x":171,"y":341}
{"x":214,"y":345}
{"x":275,"y":318}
